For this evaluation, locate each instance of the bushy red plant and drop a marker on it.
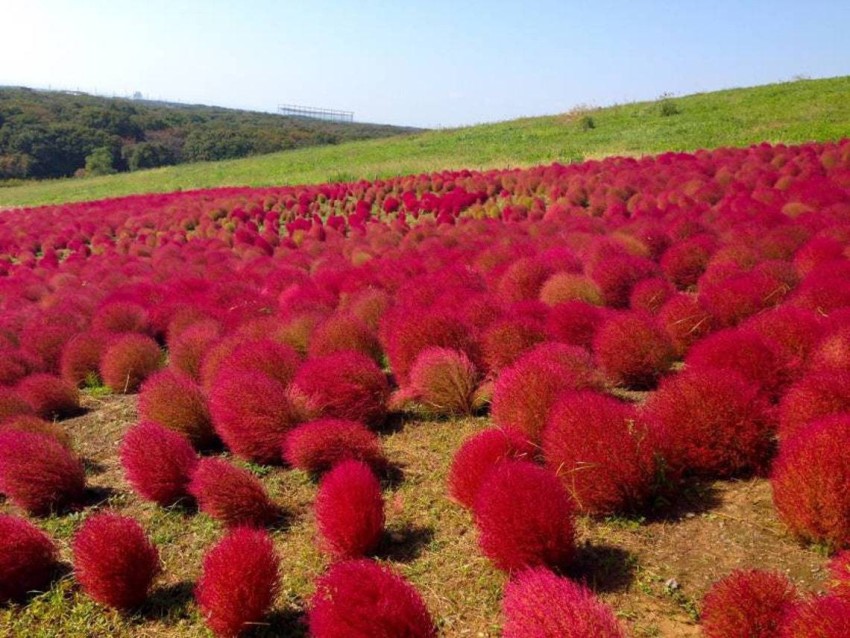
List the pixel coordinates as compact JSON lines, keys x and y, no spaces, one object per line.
{"x":603,"y":456}
{"x":539,"y":604}
{"x":13,"y":365}
{"x":523,"y":279}
{"x":231,"y":495}
{"x":505,"y":340}
{"x":649,"y":295}
{"x":686,"y":321}
{"x":120,"y":316}
{"x":251,"y":412}
{"x":341,"y":332}
{"x":12,"y":404}
{"x":713,"y":423}
{"x":839,"y":575}
{"x":128,"y":360}
{"x":114,"y":561}
{"x":792,"y":333}
{"x":158,"y":462}
{"x":574,"y":322}
{"x":36,"y":425}
{"x":317,"y":446}
{"x":239,"y":581}
{"x":344,"y":385}
{"x":81,"y":355}
{"x":362,"y":599}
{"x":49,"y":396}
{"x":734,"y":299}
{"x":832,"y":351}
{"x":525,"y":392}
{"x":187,"y":350}
{"x":567,"y":286}
{"x":349,"y":510}
{"x":633,"y":350}
{"x":37,"y":474}
{"x":276,"y":360}
{"x":749,"y":602}
{"x":478,"y":455}
{"x":444,"y":381}
{"x":28,"y":559}
{"x":816,"y":395}
{"x":524,"y":517}
{"x":811,"y":481}
{"x":175,"y":401}
{"x":818,"y":617}
{"x":684,"y":262}
{"x":617,"y":275}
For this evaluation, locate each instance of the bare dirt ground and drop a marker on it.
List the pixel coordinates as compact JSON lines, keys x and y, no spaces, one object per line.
{"x":653,"y":571}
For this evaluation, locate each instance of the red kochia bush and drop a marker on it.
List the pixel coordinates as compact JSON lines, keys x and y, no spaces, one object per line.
{"x":28,"y":558}
{"x":685,"y":321}
{"x":276,"y":360}
{"x":525,"y":392}
{"x":231,"y":495}
{"x":37,"y":474}
{"x":157,"y":462}
{"x":650,"y":295}
{"x":362,"y":599}
{"x":574,"y":322}
{"x":524,"y":517}
{"x":174,"y":400}
{"x":114,"y":561}
{"x":239,"y":582}
{"x":12,"y":404}
{"x":505,"y":340}
{"x":120,"y":316}
{"x":478,"y":455}
{"x":811,"y":482}
{"x":816,"y":395}
{"x":50,"y":396}
{"x":349,"y":510}
{"x":129,"y":360}
{"x":751,"y":603}
{"x":35,"y":425}
{"x":602,"y":456}
{"x":186,"y":351}
{"x":618,"y":274}
{"x":539,"y":604}
{"x":251,"y":412}
{"x":818,"y":617}
{"x":81,"y":357}
{"x":713,"y":423}
{"x":444,"y":380}
{"x":317,"y":446}
{"x":345,"y":385}
{"x":839,"y":573}
{"x":345,"y":331}
{"x":633,"y":350}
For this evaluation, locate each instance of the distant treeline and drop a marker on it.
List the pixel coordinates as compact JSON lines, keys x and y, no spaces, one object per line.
{"x":57,"y":134}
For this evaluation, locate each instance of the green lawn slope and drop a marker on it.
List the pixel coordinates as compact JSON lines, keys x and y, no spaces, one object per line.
{"x":791,"y":112}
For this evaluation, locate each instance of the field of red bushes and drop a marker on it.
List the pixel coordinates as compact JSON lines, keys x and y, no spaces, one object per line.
{"x":623,"y":330}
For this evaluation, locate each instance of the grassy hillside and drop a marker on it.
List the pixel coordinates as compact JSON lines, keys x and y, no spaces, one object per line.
{"x":793,"y":112}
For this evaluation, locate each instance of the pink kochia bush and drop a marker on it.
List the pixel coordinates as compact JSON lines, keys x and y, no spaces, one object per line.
{"x":524,"y":517}
{"x":349,"y":510}
{"x":362,"y":599}
{"x":539,"y":604}
{"x":158,"y":462}
{"x":344,"y":385}
{"x":231,"y":495}
{"x":444,"y":380}
{"x":251,"y":412}
{"x":81,"y":356}
{"x":239,"y":582}
{"x":816,"y":395}
{"x":129,"y":360}
{"x":810,"y":481}
{"x":633,"y":350}
{"x":37,"y":474}
{"x":818,"y":617}
{"x":478,"y":455}
{"x":28,"y":558}
{"x":50,"y":396}
{"x":175,"y":401}
{"x":12,"y":404}
{"x":317,"y":446}
{"x":603,"y":456}
{"x":35,"y":425}
{"x":751,"y":603}
{"x":114,"y":561}
{"x":839,"y":573}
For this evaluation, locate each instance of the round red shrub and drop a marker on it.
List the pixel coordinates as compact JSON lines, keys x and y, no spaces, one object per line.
{"x":601,"y":454}
{"x":37,"y":474}
{"x":524,"y":517}
{"x":129,"y":360}
{"x":617,"y":275}
{"x":685,"y":321}
{"x":50,"y":396}
{"x":734,"y":299}
{"x":505,"y":340}
{"x":231,"y":495}
{"x":80,"y":360}
{"x":12,"y":404}
{"x":362,"y":599}
{"x":36,"y":425}
{"x":792,"y":333}
{"x":444,"y":381}
{"x":811,"y":482}
{"x":523,"y":279}
{"x":525,"y":392}
{"x":345,"y":385}
{"x":114,"y":561}
{"x":818,"y":617}
{"x":175,"y":401}
{"x":341,"y":332}
{"x":684,"y":262}
{"x":633,"y":350}
{"x":251,"y":412}
{"x":650,"y":295}
{"x":839,"y":573}
{"x":750,"y":602}
{"x":349,"y":511}
{"x":832,"y":351}
{"x":478,"y":455}
{"x":566,"y":286}
{"x":120,"y":316}
{"x":158,"y":462}
{"x":317,"y":446}
{"x":276,"y":360}
{"x":816,"y":395}
{"x":713,"y":423}
{"x":539,"y":604}
{"x":187,"y":350}
{"x":28,"y":559}
{"x":239,"y":582}
{"x":13,"y":365}
{"x":574,"y":322}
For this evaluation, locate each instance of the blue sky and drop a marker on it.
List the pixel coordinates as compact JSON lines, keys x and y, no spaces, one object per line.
{"x":437,"y":63}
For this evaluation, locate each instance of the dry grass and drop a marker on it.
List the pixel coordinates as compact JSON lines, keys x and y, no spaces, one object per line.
{"x":653,"y":572}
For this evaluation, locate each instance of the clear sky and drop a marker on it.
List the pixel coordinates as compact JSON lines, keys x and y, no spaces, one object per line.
{"x":426,"y":63}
